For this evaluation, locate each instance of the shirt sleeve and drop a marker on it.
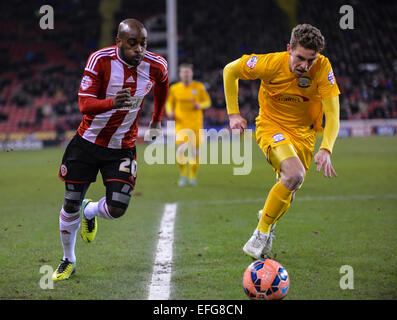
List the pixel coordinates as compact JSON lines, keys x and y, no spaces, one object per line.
{"x":89,"y":89}
{"x":327,"y":86}
{"x":91,"y":82}
{"x":204,"y":98}
{"x":254,"y":66}
{"x":170,"y":104}
{"x":248,"y":67}
{"x":160,"y":92}
{"x":331,"y":128}
{"x":230,"y":85}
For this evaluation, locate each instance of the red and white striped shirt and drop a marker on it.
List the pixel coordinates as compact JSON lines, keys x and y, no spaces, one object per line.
{"x":105,"y":74}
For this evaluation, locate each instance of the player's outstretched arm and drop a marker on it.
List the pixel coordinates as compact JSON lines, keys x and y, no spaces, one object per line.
{"x":160,"y":92}
{"x":331,"y":129}
{"x":169,"y":108}
{"x":154,"y":129}
{"x":230,"y":83}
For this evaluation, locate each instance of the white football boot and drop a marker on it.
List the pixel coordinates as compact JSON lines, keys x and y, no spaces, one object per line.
{"x":256,"y":245}
{"x":269,"y":243}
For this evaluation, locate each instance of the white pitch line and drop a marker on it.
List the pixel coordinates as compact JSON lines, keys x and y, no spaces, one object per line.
{"x":159,"y":288}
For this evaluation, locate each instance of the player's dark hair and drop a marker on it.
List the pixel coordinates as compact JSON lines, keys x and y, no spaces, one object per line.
{"x":186,"y":65}
{"x":308,"y":37}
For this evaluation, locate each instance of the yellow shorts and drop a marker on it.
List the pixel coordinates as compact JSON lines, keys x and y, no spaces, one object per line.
{"x":269,"y":137}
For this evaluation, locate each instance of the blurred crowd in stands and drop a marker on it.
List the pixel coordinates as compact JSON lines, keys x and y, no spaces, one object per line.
{"x":41,"y":69}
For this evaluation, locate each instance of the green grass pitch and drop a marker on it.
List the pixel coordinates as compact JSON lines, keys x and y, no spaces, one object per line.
{"x":349,"y":220}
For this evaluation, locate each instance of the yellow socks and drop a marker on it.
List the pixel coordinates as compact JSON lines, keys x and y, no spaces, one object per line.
{"x":277,"y":203}
{"x":181,"y":161}
{"x":193,"y":168}
{"x":183,"y":167}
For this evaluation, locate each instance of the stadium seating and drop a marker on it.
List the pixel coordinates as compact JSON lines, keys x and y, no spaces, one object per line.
{"x":41,"y":69}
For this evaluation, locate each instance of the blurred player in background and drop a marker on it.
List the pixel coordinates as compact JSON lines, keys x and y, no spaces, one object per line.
{"x":115,"y":82}
{"x":297,"y":88}
{"x":186,"y":101}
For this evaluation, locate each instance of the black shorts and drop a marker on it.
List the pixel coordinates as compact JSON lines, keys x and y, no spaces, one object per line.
{"x":83,"y":159}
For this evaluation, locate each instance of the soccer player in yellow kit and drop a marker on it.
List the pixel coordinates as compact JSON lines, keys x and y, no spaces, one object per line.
{"x":297,"y":88}
{"x":185,"y":104}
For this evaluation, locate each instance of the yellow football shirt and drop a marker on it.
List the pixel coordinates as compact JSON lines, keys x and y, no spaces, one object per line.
{"x":290,"y":102}
{"x":181,"y":99}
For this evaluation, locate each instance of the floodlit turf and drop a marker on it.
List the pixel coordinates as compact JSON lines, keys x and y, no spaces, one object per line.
{"x":350,"y":220}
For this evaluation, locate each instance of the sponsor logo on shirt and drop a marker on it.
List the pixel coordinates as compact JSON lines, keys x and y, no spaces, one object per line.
{"x":251,"y":63}
{"x":331,"y":77}
{"x":86,"y":82}
{"x":291,"y":98}
{"x":135,"y":103}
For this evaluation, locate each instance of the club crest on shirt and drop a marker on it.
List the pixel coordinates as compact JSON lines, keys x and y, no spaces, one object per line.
{"x":64,"y":170}
{"x":148,"y":86}
{"x":278,"y":137}
{"x":304,"y":82}
{"x":331,"y":77}
{"x":251,"y":63}
{"x":86,"y":82}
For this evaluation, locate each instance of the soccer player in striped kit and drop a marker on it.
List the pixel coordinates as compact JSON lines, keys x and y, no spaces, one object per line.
{"x":115,"y":82}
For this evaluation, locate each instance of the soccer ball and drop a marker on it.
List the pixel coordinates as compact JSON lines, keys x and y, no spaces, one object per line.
{"x":266,"y":280}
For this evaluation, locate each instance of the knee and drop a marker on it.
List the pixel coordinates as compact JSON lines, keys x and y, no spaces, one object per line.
{"x":116,"y":212}
{"x":293,"y":181}
{"x":71,"y":206}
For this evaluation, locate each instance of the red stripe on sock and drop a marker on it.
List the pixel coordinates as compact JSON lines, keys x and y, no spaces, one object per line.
{"x":106,"y":211}
{"x":68,"y":219}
